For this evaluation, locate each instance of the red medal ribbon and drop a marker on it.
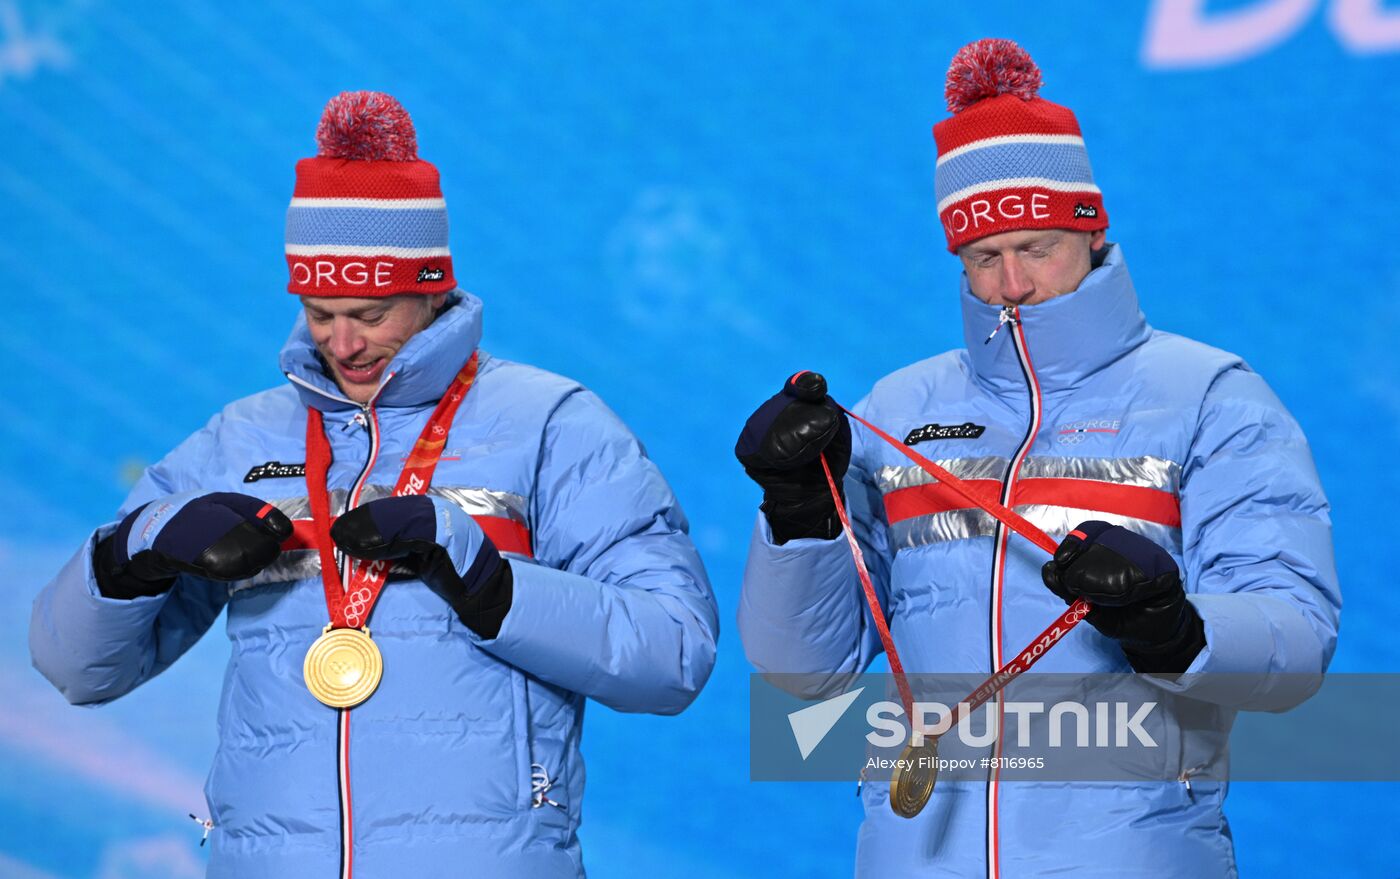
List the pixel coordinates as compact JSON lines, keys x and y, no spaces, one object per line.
{"x":1008,"y":517}
{"x":871,"y":598}
{"x":350,"y":605}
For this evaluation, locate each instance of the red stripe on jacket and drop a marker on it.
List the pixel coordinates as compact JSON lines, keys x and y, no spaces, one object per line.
{"x":1133,"y":501}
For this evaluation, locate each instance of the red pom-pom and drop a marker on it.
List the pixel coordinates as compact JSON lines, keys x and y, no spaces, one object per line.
{"x":988,"y":68}
{"x":366,"y":126}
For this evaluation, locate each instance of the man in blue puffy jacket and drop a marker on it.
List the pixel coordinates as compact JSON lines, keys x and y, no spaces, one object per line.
{"x":1184,"y":496}
{"x":429,"y":557}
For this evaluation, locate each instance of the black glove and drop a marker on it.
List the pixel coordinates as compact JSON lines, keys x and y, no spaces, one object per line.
{"x":780,"y":449}
{"x":444,"y":545}
{"x":218,"y":535}
{"x":1136,"y":593}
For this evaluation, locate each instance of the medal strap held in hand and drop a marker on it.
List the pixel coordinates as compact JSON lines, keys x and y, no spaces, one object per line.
{"x":1008,"y":517}
{"x":881,"y":626}
{"x":350,"y":606}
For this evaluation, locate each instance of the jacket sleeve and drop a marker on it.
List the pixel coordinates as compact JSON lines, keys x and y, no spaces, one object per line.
{"x":802,"y":609}
{"x":93,"y":648}
{"x":616,"y":605}
{"x":1257,"y":543}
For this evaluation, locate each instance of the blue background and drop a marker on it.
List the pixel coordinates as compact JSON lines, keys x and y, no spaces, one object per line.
{"x":677,"y":205}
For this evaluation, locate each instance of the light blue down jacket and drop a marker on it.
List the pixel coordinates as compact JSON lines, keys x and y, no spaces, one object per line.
{"x":1088,"y":413}
{"x":449,"y":761}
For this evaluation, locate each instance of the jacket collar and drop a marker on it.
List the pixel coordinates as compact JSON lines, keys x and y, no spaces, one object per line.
{"x":417,"y":376}
{"x":1069,"y":337}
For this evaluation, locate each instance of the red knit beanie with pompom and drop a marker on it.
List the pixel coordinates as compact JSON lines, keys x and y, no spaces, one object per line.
{"x":1009,"y":159}
{"x":367,"y":216}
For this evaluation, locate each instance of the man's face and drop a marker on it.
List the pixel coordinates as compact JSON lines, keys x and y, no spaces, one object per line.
{"x":358,"y":337}
{"x":1028,"y":266}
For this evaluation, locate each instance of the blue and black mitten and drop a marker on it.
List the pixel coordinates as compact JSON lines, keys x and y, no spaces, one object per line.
{"x":780,"y":448}
{"x":218,"y":535}
{"x":444,"y":545}
{"x":1136,"y":593}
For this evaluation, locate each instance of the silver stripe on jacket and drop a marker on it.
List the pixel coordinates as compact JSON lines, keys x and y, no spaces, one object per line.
{"x":894,"y":478}
{"x":1144,"y":471}
{"x":1054,"y":521}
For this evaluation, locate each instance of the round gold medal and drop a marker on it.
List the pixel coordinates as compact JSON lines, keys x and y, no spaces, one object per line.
{"x":343,"y":667}
{"x":914,"y":775}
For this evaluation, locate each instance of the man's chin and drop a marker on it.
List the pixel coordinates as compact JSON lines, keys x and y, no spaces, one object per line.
{"x":360,"y":392}
{"x":361,"y":395}
{"x":359,"y":385}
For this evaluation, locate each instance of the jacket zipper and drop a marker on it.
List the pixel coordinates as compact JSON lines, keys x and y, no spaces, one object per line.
{"x":370,"y":420}
{"x":1010,"y":315}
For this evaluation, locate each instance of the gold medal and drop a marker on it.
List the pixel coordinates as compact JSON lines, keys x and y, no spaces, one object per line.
{"x":912,"y":782}
{"x":343,"y":667}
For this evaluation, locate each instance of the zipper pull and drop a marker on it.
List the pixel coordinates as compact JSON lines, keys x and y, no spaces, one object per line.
{"x":540,"y":786}
{"x":1008,"y":315}
{"x":1185,"y":778}
{"x":206,"y":823}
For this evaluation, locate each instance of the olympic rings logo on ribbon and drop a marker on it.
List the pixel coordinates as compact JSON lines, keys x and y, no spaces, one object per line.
{"x":356,"y":603}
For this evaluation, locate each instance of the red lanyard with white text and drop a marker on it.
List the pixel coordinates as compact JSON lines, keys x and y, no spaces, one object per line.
{"x":349,"y":606}
{"x":1008,"y":517}
{"x":911,"y":785}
